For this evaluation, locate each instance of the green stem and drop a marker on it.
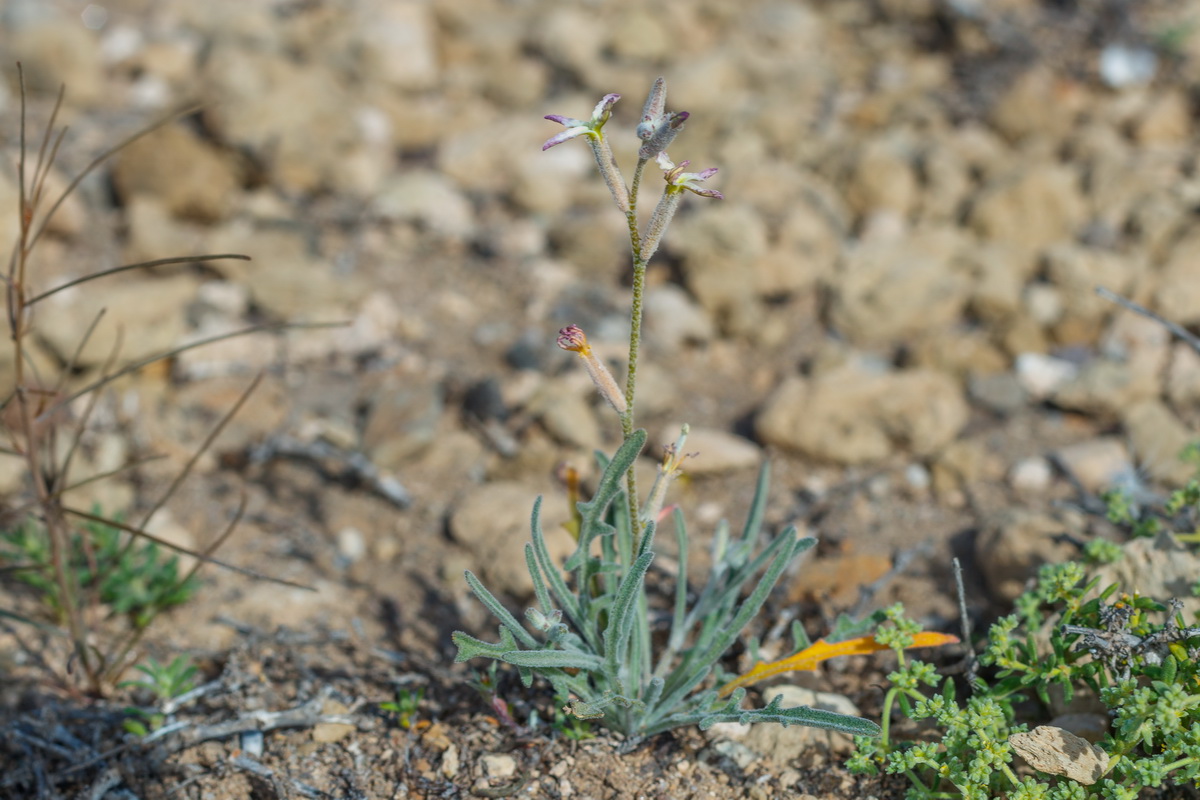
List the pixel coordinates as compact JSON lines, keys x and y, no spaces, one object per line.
{"x":635,"y":340}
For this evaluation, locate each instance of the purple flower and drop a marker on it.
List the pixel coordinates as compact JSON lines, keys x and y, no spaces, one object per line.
{"x":678,"y":180}
{"x":578,"y":127}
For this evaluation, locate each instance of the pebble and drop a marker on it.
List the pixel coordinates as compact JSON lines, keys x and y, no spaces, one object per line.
{"x":1031,"y":475}
{"x":351,"y":545}
{"x":1040,"y":374}
{"x":717,"y":452}
{"x":1095,"y":464}
{"x":852,"y":416}
{"x":499,"y":765}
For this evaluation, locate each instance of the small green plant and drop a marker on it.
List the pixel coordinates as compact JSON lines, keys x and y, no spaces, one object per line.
{"x":164,"y":682}
{"x":405,"y":706}
{"x":1143,"y":671}
{"x":131,"y":577}
{"x":589,"y":634}
{"x":75,"y":559}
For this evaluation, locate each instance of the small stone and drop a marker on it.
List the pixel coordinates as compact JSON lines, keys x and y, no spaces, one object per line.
{"x":1038,"y":205}
{"x":1122,"y":66}
{"x":1158,"y":438}
{"x":195,"y":179}
{"x":738,"y":753}
{"x":351,"y":545}
{"x":852,"y":416}
{"x":1183,"y":375}
{"x":402,"y":420}
{"x":889,"y":290}
{"x":999,"y":392}
{"x":430,"y":199}
{"x":328,"y":732}
{"x":499,"y":765}
{"x":673,"y":319}
{"x":717,"y":451}
{"x":1031,"y":475}
{"x":1059,"y":752}
{"x":1040,"y":374}
{"x":1105,"y":388}
{"x":1166,"y":120}
{"x":917,"y":477}
{"x":492,"y":523}
{"x":1096,"y":464}
{"x":1013,"y":546}
{"x":450,"y":761}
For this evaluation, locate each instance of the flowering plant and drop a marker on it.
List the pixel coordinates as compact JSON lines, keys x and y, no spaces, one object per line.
{"x":591,"y":634}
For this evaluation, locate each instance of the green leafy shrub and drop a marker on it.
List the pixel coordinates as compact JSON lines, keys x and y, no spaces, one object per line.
{"x":1065,"y":638}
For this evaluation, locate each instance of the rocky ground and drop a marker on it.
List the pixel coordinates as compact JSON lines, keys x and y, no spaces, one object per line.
{"x":894,"y":306}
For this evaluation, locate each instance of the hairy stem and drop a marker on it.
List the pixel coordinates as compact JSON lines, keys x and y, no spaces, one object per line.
{"x":635,"y":338}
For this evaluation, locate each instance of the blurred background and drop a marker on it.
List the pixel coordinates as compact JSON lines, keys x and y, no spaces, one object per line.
{"x":894,"y":303}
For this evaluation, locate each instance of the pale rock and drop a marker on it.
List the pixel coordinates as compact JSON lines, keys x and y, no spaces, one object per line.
{"x":571,"y":37}
{"x":999,"y":272}
{"x":807,"y":246}
{"x":1104,"y":388}
{"x":154,"y":233}
{"x":144,"y":315}
{"x":1036,"y":205}
{"x":492,"y":523}
{"x":194,"y":179}
{"x":450,"y":761}
{"x":1158,"y":567}
{"x":402,"y":419}
{"x":1031,"y":475}
{"x":889,"y":291}
{"x":329,"y":732}
{"x":850,"y":416}
{"x":1122,"y":66}
{"x":673,"y":319}
{"x":999,"y":392}
{"x":1143,"y":343}
{"x":1041,"y":375}
{"x":477,"y":160}
{"x":57,"y":52}
{"x":1183,"y":375}
{"x":1059,"y":752}
{"x":499,"y":765}
{"x":396,"y":44}
{"x":958,"y":350}
{"x":1012,"y":547}
{"x":719,"y":247}
{"x":1043,"y":304}
{"x":567,"y":413}
{"x":1158,"y":438}
{"x":1076,"y":271}
{"x":1039,"y":102}
{"x":1178,"y":295}
{"x":882,"y":179}
{"x":428,"y":198}
{"x":351,"y":545}
{"x":640,"y":34}
{"x":295,"y":118}
{"x":917,"y":477}
{"x":1096,"y":464}
{"x":947,"y":184}
{"x":741,"y":755}
{"x":1167,"y":119}
{"x":716,"y":451}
